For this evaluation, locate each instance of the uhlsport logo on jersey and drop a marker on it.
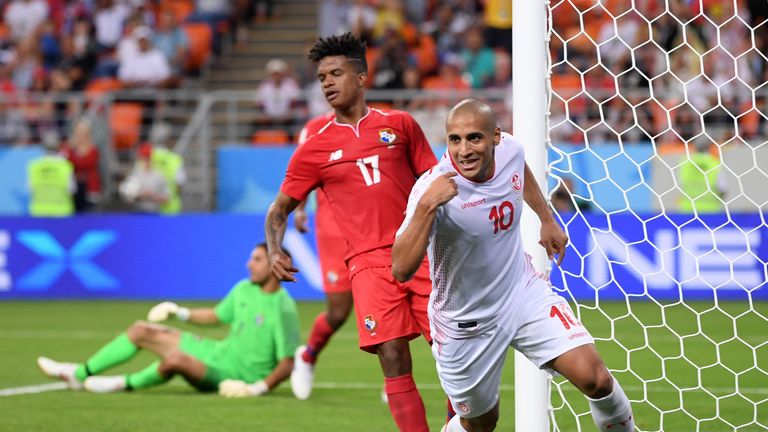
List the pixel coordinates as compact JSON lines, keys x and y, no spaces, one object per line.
{"x":370,"y":323}
{"x":56,"y":260}
{"x":387,"y":137}
{"x":516,"y":182}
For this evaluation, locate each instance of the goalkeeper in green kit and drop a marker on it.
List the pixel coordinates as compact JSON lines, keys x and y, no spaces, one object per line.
{"x":255,"y":357}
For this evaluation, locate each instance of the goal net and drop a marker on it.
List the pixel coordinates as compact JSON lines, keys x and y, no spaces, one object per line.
{"x":658,"y":170}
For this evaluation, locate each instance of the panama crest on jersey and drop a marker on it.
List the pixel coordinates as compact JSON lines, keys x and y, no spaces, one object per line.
{"x":387,"y":136}
{"x":370,"y":323}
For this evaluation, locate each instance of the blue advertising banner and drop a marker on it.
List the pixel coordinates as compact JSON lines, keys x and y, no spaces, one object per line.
{"x":139,"y":257}
{"x":13,"y":178}
{"x":612,"y":176}
{"x":611,"y":257}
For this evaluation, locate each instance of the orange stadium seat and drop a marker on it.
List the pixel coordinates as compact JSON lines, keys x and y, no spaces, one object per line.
{"x":125,"y":122}
{"x":99,"y":86}
{"x":200,"y":38}
{"x":181,"y":8}
{"x":271,"y":137}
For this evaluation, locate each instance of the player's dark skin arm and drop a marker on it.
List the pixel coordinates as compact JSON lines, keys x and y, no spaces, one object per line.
{"x":553,"y":238}
{"x":409,"y":249}
{"x":274,"y":228}
{"x":280,"y":373}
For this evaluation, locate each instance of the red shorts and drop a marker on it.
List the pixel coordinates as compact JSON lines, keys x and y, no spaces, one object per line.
{"x":387,"y":309}
{"x":332,"y":250}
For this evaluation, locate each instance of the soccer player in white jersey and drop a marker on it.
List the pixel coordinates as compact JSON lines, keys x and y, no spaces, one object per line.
{"x":486,"y":296}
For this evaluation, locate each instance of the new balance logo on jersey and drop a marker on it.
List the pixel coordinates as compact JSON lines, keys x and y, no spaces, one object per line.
{"x":471,"y":204}
{"x":335,"y":155}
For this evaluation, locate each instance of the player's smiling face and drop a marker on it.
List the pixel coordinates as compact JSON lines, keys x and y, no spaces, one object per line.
{"x":258,"y":266}
{"x":471,"y":144}
{"x":340,"y":80}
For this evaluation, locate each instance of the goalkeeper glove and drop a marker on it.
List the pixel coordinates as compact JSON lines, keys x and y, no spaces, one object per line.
{"x":162,"y":312}
{"x":237,"y":388}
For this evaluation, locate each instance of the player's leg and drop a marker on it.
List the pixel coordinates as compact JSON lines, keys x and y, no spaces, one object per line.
{"x":159,"y":372}
{"x":470,"y":373}
{"x":157,"y":338}
{"x":420,"y":287}
{"x":551,"y":337}
{"x":336,"y":286}
{"x":385,"y":325}
{"x":584,"y":368}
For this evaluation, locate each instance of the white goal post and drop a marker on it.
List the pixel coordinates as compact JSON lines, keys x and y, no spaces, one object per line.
{"x":671,"y":279}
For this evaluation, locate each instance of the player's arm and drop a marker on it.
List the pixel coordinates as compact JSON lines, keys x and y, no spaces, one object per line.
{"x":165,"y":310}
{"x":275,"y":225}
{"x":552,"y":237}
{"x":411,"y":245}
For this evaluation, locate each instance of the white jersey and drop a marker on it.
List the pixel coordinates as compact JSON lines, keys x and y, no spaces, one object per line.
{"x":477,"y":261}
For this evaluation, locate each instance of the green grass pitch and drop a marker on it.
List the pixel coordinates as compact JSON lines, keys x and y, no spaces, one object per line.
{"x":666,"y":348}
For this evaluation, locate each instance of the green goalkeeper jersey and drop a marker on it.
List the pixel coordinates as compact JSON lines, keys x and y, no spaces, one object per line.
{"x":264,"y":328}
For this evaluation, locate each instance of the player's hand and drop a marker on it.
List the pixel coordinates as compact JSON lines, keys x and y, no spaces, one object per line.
{"x":442,"y":190}
{"x":237,"y":388}
{"x":162,"y":311}
{"x":300,"y":220}
{"x":282,"y":267}
{"x":553,"y":239}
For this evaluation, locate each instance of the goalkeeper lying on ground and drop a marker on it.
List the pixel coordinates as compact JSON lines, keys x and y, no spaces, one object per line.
{"x":254,"y":358}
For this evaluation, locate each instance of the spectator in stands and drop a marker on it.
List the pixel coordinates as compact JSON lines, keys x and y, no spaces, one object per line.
{"x":145,"y":188}
{"x":50,"y":47}
{"x":13,"y":128}
{"x":445,"y":30}
{"x":84,"y":156}
{"x":701,"y":181}
{"x":170,"y":164}
{"x":108,"y":20}
{"x":389,"y":16}
{"x":51,"y":182}
{"x":391,"y":62}
{"x":148,"y":68}
{"x":172,"y":41}
{"x":479,"y":60}
{"x":278,"y":94}
{"x":78,"y":55}
{"x":361,"y":18}
{"x":497,"y":18}
{"x":450,"y":76}
{"x":27,"y":61}
{"x":24,"y":16}
{"x":214,"y":13}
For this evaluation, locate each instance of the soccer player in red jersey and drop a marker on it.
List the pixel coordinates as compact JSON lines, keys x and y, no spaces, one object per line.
{"x":366,"y":162}
{"x":332,"y":249}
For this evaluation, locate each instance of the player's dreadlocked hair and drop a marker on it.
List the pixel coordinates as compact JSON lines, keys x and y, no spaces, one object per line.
{"x":347,"y":45}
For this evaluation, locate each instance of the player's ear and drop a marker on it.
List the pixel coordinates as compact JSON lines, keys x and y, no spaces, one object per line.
{"x":362,"y":77}
{"x":496,"y":136}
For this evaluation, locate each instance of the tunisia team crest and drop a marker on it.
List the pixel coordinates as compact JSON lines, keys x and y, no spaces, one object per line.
{"x":516,"y":183}
{"x":387,"y":137}
{"x":370,"y":323}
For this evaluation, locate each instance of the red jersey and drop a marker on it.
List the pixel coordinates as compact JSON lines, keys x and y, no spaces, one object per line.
{"x":366,"y":171}
{"x":324,"y":222}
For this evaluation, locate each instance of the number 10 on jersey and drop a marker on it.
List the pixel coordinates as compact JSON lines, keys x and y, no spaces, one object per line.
{"x":373,"y":177}
{"x":502,"y":216}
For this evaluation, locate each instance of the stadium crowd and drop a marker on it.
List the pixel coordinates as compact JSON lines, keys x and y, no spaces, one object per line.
{"x":682,"y":69}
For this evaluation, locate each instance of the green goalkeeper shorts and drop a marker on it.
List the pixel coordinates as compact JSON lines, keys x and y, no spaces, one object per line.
{"x":211,"y":353}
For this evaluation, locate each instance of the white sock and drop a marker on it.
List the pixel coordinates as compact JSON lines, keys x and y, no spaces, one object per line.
{"x":454,"y":425}
{"x":613,"y":413}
